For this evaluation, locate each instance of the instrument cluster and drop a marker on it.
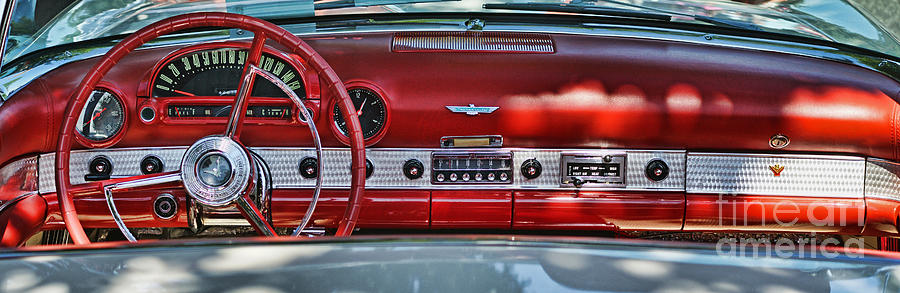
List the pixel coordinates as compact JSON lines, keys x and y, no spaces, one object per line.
{"x":197,"y":85}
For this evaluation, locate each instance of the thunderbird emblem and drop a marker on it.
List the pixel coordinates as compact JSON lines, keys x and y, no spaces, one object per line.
{"x":776,"y":170}
{"x":472,"y":110}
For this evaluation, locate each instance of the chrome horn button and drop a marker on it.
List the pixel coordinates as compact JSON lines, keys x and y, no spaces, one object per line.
{"x":216,"y":170}
{"x":213,"y":169}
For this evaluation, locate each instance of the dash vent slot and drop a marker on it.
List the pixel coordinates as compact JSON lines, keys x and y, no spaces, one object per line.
{"x":473,"y":42}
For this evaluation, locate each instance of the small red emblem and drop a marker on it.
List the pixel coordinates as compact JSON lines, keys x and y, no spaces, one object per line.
{"x":776,"y":170}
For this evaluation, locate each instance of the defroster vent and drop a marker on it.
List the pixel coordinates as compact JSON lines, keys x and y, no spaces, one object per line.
{"x":481,"y":42}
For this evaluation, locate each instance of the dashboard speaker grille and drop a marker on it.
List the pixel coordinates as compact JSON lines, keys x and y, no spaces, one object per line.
{"x":479,"y":42}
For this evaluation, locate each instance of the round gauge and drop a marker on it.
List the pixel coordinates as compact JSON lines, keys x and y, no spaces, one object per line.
{"x":371,"y":109}
{"x":102,"y":116}
{"x":217,"y":72}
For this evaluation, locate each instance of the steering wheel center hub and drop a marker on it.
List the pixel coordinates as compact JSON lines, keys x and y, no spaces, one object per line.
{"x":216,"y":170}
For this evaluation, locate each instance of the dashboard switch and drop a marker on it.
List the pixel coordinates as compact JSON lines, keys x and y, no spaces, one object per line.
{"x":531,"y":168}
{"x":99,"y":169}
{"x":413,"y":169}
{"x":151,"y":165}
{"x":309,"y":168}
{"x":657,"y":170}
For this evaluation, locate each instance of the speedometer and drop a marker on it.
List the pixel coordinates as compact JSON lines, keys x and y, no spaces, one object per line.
{"x":217,"y":72}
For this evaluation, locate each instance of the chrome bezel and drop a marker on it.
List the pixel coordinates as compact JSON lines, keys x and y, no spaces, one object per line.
{"x":455,"y":154}
{"x":141,"y":114}
{"x":775,"y":138}
{"x":616,"y":157}
{"x":174,"y":206}
{"x":241,"y":171}
{"x":120,"y":129}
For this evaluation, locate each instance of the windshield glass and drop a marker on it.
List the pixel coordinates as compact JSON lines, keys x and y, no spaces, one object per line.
{"x":831,"y":20}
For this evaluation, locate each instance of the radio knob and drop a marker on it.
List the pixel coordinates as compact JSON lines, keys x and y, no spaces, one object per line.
{"x":531,"y":168}
{"x":413,"y":169}
{"x":657,"y":170}
{"x":452,"y":176}
{"x":478,"y":176}
{"x":490,"y":176}
{"x":440,"y":177}
{"x":309,"y":168}
{"x":465,"y":176}
{"x":369,"y":168}
{"x":503,"y":177}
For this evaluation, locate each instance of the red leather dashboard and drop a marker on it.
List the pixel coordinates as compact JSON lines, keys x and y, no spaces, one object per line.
{"x":594,"y":91}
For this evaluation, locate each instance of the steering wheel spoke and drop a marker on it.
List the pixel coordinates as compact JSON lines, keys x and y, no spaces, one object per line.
{"x":239,"y":108}
{"x":254,"y":216}
{"x":133,"y":183}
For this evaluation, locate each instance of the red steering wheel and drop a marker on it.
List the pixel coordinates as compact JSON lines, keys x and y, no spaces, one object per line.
{"x":226,"y":146}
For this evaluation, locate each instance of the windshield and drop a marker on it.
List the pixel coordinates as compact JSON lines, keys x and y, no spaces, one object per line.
{"x":832,"y":20}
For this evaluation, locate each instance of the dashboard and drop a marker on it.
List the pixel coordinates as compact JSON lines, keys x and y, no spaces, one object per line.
{"x":565,"y":132}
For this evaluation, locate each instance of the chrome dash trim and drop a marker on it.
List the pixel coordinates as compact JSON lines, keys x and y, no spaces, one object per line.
{"x":283,"y":163}
{"x":694,"y":172}
{"x":126,"y":162}
{"x":882,"y":179}
{"x":635,"y":177}
{"x":803,"y":175}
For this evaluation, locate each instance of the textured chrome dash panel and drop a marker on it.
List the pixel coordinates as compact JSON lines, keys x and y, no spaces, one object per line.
{"x":549,"y":164}
{"x":126,"y":162}
{"x":803,"y":175}
{"x":882,"y":179}
{"x":500,"y":42}
{"x":285,"y":165}
{"x":637,"y":162}
{"x":388,"y":174}
{"x":23,"y":173}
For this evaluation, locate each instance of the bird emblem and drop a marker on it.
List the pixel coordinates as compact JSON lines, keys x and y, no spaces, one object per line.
{"x":776,"y":169}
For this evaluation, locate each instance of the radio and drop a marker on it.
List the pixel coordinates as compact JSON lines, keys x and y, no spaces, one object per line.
{"x":592,"y":170}
{"x":471,"y":167}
